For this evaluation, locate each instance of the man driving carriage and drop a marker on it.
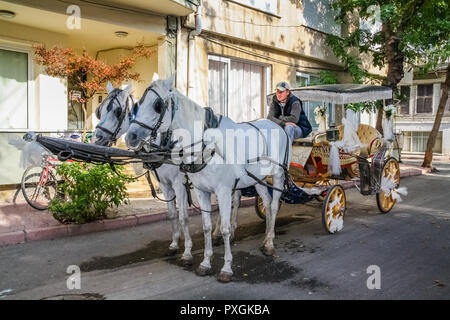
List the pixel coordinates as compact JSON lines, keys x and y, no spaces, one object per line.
{"x":286,"y":110}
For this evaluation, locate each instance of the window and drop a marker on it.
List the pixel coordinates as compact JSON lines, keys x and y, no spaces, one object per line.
{"x":416,"y":141}
{"x":319,"y":15}
{"x":404,"y":104}
{"x":302,"y":80}
{"x":236,"y":89}
{"x":425,"y":98}
{"x":218,"y":85}
{"x":270,"y":6}
{"x":13,"y":89}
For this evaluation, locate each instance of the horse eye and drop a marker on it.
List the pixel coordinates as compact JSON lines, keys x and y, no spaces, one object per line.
{"x":158,"y":106}
{"x":98,"y":113}
{"x":118,"y":112}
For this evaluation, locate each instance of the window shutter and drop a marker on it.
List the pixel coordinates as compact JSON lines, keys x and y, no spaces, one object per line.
{"x":425,"y":98}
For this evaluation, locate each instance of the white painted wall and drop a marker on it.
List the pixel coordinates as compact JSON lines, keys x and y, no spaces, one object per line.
{"x":52,"y":103}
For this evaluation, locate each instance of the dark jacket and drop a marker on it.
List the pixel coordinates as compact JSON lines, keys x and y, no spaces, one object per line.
{"x":291,"y":112}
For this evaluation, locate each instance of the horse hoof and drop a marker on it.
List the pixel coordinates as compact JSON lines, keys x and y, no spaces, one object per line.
{"x":224,"y":277}
{"x":202,"y":271}
{"x":217,"y":241}
{"x":268,"y":251}
{"x":187,"y":262}
{"x":171,"y":252}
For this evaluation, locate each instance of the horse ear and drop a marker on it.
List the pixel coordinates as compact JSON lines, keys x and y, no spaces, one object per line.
{"x":128,"y":87}
{"x":169,"y":82}
{"x":109,"y":87}
{"x":155,"y":77}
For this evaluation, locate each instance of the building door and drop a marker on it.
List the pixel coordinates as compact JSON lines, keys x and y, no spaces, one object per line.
{"x":236,"y":89}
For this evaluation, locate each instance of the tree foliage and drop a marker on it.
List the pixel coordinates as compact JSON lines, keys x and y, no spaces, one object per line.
{"x":87,"y":73}
{"x":415,"y":32}
{"x":411,"y":32}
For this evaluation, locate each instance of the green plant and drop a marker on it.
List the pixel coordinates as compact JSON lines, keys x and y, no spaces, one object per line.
{"x":89,"y":190}
{"x":325,"y":77}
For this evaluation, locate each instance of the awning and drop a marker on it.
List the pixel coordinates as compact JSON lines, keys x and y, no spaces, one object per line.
{"x":341,"y":93}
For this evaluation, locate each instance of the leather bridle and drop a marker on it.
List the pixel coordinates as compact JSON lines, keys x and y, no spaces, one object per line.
{"x":159,"y":103}
{"x":121,"y":117}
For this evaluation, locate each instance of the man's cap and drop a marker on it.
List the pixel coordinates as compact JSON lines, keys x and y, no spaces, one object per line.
{"x":283,"y":85}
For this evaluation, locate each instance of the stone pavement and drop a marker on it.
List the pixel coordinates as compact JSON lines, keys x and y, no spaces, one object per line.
{"x":20,"y":223}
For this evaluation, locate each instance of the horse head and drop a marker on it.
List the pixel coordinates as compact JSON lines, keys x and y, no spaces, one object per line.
{"x":114,"y":114}
{"x":154,"y":113}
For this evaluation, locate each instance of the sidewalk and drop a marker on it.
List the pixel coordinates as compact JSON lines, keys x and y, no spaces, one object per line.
{"x":20,"y":223}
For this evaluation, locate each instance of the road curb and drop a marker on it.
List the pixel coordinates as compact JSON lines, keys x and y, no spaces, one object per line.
{"x":48,"y":233}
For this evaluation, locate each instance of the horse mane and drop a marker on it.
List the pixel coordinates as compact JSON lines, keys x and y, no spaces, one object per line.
{"x":190,"y":110}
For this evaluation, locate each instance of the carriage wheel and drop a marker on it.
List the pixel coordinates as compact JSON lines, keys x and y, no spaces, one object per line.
{"x":333,"y":209}
{"x":322,"y":183}
{"x":391,"y":170}
{"x":259,"y":207}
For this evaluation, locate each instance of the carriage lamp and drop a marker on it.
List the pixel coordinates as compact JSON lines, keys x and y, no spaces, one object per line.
{"x":333,"y":133}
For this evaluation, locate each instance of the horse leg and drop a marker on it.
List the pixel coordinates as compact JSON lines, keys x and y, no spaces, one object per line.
{"x":269,"y":248}
{"x":267,"y":200}
{"x":172,"y":214}
{"x":224,"y":197}
{"x":180,"y":192}
{"x":204,"y":199}
{"x":234,"y":211}
{"x":217,"y":235}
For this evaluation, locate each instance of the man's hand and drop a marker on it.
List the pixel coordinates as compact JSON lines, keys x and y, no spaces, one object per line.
{"x":290,"y":124}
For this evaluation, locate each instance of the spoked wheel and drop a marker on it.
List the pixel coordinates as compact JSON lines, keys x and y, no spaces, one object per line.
{"x":39,"y":187}
{"x":333,"y":209}
{"x":323,"y":183}
{"x":259,"y":207}
{"x":390,"y":179}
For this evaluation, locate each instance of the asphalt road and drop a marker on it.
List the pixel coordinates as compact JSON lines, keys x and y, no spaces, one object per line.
{"x":410,"y":246}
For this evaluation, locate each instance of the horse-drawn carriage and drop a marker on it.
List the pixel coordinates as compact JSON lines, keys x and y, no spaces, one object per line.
{"x":353,"y":151}
{"x":368,"y":164}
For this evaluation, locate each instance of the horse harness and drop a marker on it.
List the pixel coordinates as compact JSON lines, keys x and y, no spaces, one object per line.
{"x":160,"y":106}
{"x":120,"y":116}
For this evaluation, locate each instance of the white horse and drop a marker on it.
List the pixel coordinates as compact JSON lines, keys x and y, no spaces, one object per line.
{"x":164,"y":108}
{"x":114,"y":114}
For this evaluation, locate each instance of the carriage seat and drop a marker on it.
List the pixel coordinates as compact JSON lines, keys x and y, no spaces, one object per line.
{"x":370,"y":138}
{"x":305,"y":141}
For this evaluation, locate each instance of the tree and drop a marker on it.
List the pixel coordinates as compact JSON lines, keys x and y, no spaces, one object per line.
{"x":428,"y":158}
{"x":410,"y":29}
{"x":87,"y":74}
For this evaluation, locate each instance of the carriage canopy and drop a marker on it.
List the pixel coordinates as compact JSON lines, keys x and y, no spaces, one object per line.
{"x":340,"y":93}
